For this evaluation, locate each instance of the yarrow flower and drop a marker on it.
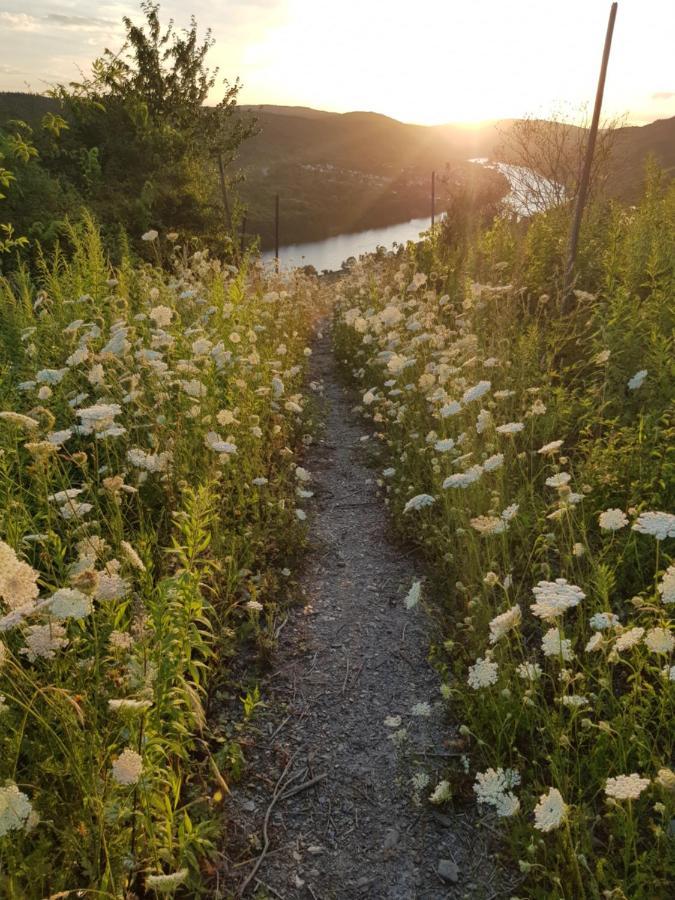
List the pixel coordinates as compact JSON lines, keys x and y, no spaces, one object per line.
{"x":554,"y":645}
{"x":463,"y":479}
{"x":667,"y":586}
{"x":626,"y":787}
{"x":483,"y":673}
{"x":603,"y":620}
{"x":505,"y":622}
{"x":529,"y":671}
{"x":659,"y":525}
{"x":475,"y":392}
{"x":68,"y":603}
{"x":550,"y":448}
{"x":15,"y":809}
{"x":494,"y":788}
{"x":558,"y":480}
{"x":612,"y":520}
{"x":127,"y":768}
{"x":555,"y":597}
{"x":660,"y":640}
{"x":629,"y":639}
{"x":510,"y":428}
{"x":489,"y":524}
{"x":550,"y":812}
{"x":419,"y":502}
{"x":422,"y":709}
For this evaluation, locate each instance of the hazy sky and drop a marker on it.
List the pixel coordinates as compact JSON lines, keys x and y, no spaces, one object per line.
{"x":424,"y":61}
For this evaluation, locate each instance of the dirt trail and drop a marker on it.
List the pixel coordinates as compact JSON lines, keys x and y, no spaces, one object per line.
{"x":353,"y":657}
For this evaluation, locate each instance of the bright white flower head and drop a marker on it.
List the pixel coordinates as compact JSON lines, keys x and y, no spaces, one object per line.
{"x":419,"y":502}
{"x":127,"y":768}
{"x":628,"y":639}
{"x":559,"y":480}
{"x":550,"y":811}
{"x":612,"y":520}
{"x":510,"y":428}
{"x":550,"y":448}
{"x":463,"y":479}
{"x":68,"y":603}
{"x":15,"y":809}
{"x":659,"y":525}
{"x":626,"y":787}
{"x":504,"y":623}
{"x":667,"y":586}
{"x":603,"y":620}
{"x":529,"y":671}
{"x":554,"y":645}
{"x":555,"y":597}
{"x":476,"y":392}
{"x":483,"y":673}
{"x":494,"y":788}
{"x":660,"y":640}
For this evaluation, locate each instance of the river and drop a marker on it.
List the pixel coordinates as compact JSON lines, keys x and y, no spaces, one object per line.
{"x":330,"y":253}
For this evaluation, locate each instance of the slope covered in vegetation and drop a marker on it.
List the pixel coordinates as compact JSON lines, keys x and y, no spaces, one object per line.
{"x":148,"y":433}
{"x":527,"y":456}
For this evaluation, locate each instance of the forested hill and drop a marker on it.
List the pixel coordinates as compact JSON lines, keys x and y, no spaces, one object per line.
{"x":341,"y":172}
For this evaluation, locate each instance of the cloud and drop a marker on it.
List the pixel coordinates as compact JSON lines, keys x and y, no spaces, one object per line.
{"x":80,"y":22}
{"x":663,"y":95}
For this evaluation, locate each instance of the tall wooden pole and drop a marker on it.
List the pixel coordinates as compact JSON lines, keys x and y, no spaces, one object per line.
{"x":243,"y":235}
{"x":433,"y":200}
{"x":276,"y":231}
{"x":582,"y":192}
{"x":223,"y":188}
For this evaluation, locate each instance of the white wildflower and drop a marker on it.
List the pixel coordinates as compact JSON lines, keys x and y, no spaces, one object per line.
{"x":659,"y":525}
{"x":612,"y":520}
{"x":626,"y":787}
{"x":483,"y":673}
{"x":127,"y":768}
{"x":550,"y":812}
{"x":636,"y":381}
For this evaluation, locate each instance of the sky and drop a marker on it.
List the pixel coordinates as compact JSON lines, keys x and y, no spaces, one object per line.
{"x":426,"y":61}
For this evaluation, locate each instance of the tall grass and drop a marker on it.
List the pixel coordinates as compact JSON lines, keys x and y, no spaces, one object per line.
{"x":148,"y":434}
{"x":528,"y":456}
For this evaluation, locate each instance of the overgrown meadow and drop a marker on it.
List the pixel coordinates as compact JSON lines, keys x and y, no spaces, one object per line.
{"x":149,"y":500}
{"x":526,"y":454}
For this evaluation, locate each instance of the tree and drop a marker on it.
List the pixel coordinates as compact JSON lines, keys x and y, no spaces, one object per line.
{"x":142,"y":145}
{"x":549,"y":154}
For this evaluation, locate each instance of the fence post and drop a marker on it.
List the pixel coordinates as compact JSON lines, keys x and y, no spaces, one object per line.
{"x":243,"y":235}
{"x":223,"y":188}
{"x":276,"y":232}
{"x":586,"y":172}
{"x":433,"y":200}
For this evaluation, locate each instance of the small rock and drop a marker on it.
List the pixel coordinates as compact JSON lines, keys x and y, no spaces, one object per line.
{"x":314,"y":849}
{"x":391,"y":839}
{"x":448,"y":871}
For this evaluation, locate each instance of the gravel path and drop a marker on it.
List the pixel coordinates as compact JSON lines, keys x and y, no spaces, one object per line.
{"x":351,"y":658}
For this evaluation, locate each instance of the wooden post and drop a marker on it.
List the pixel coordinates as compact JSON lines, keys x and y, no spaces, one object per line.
{"x":223,"y":188}
{"x":433,"y":200}
{"x":243,"y":235}
{"x":586,"y":172}
{"x":276,"y":231}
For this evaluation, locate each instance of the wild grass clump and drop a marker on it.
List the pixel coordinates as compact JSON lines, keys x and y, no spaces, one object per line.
{"x":148,"y":433}
{"x":527,"y":455}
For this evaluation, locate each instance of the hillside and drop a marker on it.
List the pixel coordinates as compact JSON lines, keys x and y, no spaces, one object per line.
{"x":344,"y":172}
